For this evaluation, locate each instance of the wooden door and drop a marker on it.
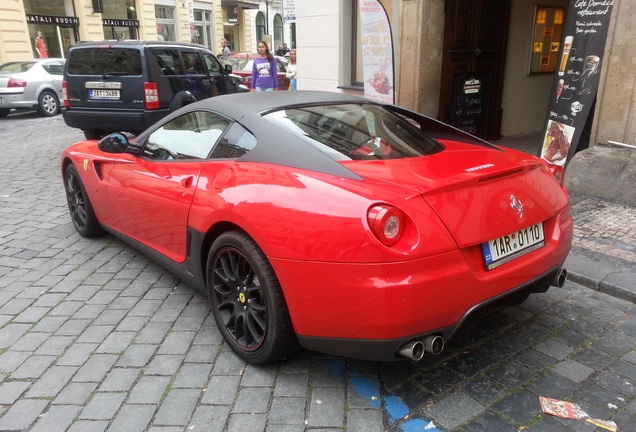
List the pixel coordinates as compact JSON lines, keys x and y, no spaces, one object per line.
{"x":475,"y":37}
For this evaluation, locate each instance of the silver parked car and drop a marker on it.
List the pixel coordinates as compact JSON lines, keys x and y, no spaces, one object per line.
{"x":32,"y":84}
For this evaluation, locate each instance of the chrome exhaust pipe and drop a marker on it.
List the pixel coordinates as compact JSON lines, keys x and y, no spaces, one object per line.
{"x":413,"y":350}
{"x":434,"y":344}
{"x":560,"y":278}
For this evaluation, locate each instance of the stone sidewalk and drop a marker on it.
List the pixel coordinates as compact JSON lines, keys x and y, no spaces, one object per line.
{"x":95,"y":337}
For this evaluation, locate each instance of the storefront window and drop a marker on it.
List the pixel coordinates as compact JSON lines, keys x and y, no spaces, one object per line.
{"x":52,"y":27}
{"x":166,"y":24}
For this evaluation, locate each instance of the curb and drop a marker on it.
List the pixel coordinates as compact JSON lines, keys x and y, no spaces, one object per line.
{"x":602,"y":277}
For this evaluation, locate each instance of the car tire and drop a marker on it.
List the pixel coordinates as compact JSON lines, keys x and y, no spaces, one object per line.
{"x":48,"y":104}
{"x":247,"y":301}
{"x":4,"y":112}
{"x":79,"y":205}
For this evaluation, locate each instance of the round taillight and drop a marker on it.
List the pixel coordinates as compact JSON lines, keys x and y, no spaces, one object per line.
{"x":386,"y":223}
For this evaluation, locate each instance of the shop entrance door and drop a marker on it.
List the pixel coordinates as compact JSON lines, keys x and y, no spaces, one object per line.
{"x":475,"y":37}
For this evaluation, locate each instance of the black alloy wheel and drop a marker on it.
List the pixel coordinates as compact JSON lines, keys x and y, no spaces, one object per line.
{"x":79,"y":206}
{"x":247,"y":301}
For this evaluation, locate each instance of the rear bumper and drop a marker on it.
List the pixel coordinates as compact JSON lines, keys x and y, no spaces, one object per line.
{"x":386,"y":349}
{"x":369,"y":310}
{"x":16,"y":101}
{"x":134,"y":121}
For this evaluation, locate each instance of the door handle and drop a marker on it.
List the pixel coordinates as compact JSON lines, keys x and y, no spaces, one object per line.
{"x":187,"y":182}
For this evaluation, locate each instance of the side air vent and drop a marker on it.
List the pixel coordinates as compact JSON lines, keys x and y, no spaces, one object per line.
{"x":98,"y":169}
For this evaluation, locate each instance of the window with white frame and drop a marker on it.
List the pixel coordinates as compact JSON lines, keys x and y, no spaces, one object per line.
{"x":166,"y":23}
{"x":201,"y":28}
{"x":260,"y":27}
{"x":278,"y":31}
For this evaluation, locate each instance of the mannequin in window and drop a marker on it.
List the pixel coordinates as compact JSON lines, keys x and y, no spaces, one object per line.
{"x":40,"y":48}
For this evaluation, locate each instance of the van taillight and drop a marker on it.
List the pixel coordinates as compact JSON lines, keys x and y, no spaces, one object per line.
{"x":65,"y":94}
{"x":151,"y":95}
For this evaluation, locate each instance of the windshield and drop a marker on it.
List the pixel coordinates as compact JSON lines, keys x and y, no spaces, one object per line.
{"x":357,"y":131}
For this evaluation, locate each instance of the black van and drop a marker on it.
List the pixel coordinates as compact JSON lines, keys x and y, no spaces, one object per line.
{"x":114,"y":86}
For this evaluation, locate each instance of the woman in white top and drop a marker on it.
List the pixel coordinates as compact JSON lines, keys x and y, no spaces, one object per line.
{"x":291,"y":70}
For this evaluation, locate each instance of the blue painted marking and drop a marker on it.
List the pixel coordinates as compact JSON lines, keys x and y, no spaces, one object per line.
{"x":368,"y":388}
{"x":336,"y":367}
{"x":396,"y":408}
{"x":417,"y":425}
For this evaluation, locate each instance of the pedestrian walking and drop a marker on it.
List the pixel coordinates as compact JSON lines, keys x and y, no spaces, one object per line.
{"x":264,"y":72}
{"x":225,"y":50}
{"x":291,"y":70}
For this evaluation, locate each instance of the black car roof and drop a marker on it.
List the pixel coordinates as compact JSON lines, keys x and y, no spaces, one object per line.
{"x":276,"y":144}
{"x":242,"y":104}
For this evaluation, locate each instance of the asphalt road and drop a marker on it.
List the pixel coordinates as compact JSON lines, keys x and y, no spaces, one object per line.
{"x":96,"y":337}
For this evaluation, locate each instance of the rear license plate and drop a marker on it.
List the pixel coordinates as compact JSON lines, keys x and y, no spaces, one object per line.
{"x":504,"y":249}
{"x":103,"y":94}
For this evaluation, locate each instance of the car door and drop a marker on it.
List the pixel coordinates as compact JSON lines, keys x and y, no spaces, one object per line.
{"x":219,"y":81}
{"x":152,"y":193}
{"x":55,"y":71}
{"x":195,"y":80}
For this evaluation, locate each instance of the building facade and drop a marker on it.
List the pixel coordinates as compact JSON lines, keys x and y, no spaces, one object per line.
{"x":38,"y":28}
{"x":329,"y":59}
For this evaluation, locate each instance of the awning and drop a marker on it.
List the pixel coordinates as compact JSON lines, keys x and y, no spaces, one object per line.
{"x":241,"y":4}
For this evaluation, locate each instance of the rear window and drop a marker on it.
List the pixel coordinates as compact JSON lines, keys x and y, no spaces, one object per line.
{"x":357,"y":131}
{"x":16,"y":66}
{"x":100,"y":61}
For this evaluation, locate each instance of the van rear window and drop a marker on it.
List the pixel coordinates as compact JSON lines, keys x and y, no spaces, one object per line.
{"x":100,"y":61}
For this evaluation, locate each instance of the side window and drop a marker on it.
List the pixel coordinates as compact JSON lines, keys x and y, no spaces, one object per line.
{"x":190,"y":136}
{"x":235,"y":143}
{"x":169,"y":61}
{"x":193,"y":63}
{"x":55,"y":68}
{"x":212,"y":63}
{"x":281,"y":66}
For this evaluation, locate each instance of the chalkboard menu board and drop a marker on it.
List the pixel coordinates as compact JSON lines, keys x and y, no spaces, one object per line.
{"x":470,"y":102}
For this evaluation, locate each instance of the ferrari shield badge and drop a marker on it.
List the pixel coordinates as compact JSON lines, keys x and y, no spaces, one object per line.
{"x":85,"y":164}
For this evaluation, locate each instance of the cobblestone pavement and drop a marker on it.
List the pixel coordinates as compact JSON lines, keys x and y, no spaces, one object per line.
{"x":95,"y":337}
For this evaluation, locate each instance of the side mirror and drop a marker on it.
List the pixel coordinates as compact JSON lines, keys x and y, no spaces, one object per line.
{"x":114,"y":143}
{"x":228,"y":69}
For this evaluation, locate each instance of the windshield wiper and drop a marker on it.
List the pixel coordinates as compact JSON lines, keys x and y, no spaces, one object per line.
{"x":114,"y":74}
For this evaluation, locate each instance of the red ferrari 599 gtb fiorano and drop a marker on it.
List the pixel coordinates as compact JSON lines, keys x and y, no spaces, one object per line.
{"x":327,"y":221}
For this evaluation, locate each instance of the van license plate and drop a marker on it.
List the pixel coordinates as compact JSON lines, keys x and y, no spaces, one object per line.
{"x":504,"y":249}
{"x":103,"y":94}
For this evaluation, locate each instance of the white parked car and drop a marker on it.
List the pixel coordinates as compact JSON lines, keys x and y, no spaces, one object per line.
{"x":31,"y":84}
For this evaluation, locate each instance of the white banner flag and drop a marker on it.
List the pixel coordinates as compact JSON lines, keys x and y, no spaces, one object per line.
{"x":377,"y":52}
